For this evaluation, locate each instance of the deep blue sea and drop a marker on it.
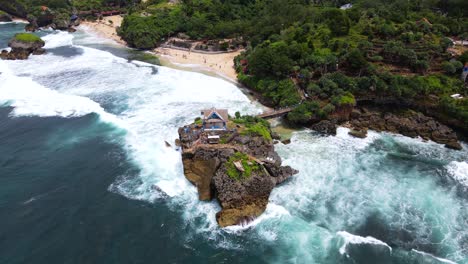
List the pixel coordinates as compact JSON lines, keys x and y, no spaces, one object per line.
{"x":86,"y":177}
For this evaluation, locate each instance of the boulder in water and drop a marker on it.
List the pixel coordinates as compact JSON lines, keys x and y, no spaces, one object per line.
{"x":22,"y":45}
{"x":325,"y":127}
{"x":359,"y":133}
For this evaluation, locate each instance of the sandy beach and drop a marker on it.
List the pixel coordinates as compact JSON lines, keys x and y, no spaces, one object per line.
{"x":105,"y":28}
{"x":218,"y":64}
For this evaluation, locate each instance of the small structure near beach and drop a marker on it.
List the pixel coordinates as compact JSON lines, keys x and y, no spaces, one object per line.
{"x":215,"y":119}
{"x":234,"y":161}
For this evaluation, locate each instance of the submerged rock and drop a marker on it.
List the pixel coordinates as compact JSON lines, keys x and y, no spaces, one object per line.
{"x":361,"y":133}
{"x":22,"y":45}
{"x":325,"y":127}
{"x":240,"y":174}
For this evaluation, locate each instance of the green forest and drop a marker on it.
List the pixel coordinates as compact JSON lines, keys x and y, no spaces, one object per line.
{"x":319,"y":57}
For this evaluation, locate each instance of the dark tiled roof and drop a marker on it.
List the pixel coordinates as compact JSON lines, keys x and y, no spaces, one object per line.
{"x":223,"y":113}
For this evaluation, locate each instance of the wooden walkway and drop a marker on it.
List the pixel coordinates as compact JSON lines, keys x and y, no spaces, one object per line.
{"x":276,"y":113}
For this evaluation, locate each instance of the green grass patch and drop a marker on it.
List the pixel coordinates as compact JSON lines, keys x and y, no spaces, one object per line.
{"x":254,"y":126}
{"x":27,"y":37}
{"x":259,"y":130}
{"x":249,"y":166}
{"x":198,"y":121}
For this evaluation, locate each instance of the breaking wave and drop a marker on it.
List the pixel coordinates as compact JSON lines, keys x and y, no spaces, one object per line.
{"x":459,"y":171}
{"x":353,"y":239}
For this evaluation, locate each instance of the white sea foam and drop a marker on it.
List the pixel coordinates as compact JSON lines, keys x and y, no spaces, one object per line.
{"x":57,"y":39}
{"x":459,"y":171}
{"x":433,"y":257}
{"x":354,"y":239}
{"x":13,"y":22}
{"x":357,"y":143}
{"x":32,"y":99}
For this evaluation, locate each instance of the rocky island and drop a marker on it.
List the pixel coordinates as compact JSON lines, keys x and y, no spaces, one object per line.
{"x":22,"y":45}
{"x":234,"y":161}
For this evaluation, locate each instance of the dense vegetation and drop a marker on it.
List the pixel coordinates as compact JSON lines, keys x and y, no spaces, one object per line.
{"x":313,"y":55}
{"x":49,"y":11}
{"x":254,"y":126}
{"x":27,"y":37}
{"x":319,"y":58}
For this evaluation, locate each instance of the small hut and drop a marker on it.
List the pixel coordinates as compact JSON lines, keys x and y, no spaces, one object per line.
{"x":215,"y":119}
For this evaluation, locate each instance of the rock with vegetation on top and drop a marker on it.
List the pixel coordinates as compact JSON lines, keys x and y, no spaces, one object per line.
{"x":240,"y":173}
{"x":22,"y":45}
{"x":4,"y":17}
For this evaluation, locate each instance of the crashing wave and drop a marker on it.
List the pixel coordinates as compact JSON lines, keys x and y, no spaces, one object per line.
{"x":354,"y":239}
{"x":433,"y":257}
{"x":459,"y":171}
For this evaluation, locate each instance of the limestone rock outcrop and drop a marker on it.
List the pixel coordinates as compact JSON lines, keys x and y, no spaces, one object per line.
{"x":22,"y":45}
{"x":241,"y":199}
{"x":410,"y":123}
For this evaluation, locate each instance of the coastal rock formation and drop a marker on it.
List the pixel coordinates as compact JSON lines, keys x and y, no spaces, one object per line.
{"x":22,"y":45}
{"x":410,"y":123}
{"x":220,"y":171}
{"x":4,"y":17}
{"x":325,"y":127}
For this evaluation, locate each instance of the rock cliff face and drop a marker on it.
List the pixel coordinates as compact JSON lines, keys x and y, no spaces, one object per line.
{"x":22,"y":45}
{"x":410,"y":123}
{"x":4,"y":17}
{"x":206,"y":166}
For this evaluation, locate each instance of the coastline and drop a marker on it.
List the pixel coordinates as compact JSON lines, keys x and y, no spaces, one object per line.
{"x":218,"y":65}
{"x":19,"y":20}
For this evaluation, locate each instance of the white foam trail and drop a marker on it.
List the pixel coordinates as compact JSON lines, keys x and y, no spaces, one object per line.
{"x":459,"y":171}
{"x":58,"y":39}
{"x":13,"y":22}
{"x":434,"y":257}
{"x":354,"y":239}
{"x":32,"y":99}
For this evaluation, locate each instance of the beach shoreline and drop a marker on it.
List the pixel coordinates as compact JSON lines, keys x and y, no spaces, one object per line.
{"x":219,"y":65}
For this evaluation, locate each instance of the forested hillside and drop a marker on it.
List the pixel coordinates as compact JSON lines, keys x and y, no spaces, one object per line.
{"x":46,"y":12}
{"x":319,"y":56}
{"x":325,"y":56}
